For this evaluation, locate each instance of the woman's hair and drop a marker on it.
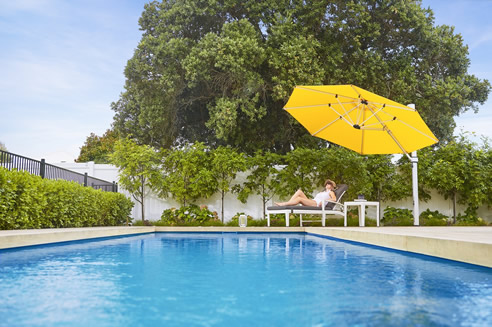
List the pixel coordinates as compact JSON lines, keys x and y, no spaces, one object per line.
{"x":332,"y":183}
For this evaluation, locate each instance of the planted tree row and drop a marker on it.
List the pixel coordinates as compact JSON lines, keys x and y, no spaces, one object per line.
{"x":461,"y":171}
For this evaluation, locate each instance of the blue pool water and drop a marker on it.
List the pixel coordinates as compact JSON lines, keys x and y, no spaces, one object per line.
{"x":191,"y":279}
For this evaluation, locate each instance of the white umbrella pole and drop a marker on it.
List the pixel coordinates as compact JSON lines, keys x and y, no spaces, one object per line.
{"x":415,"y":189}
{"x":415,"y":184}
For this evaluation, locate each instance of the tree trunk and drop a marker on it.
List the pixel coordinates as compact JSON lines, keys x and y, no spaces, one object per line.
{"x":142,"y":203}
{"x":454,"y":208}
{"x":264,"y":211}
{"x":222,"y":209}
{"x":264,"y":200}
{"x":379,"y":200}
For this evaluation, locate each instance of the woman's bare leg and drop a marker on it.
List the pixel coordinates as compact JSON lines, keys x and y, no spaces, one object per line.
{"x":297,"y":200}
{"x":299,"y":193}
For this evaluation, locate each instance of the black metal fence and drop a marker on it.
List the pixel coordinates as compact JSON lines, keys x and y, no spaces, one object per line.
{"x":13,"y":161}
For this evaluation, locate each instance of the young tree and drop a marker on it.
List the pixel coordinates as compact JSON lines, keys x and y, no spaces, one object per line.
{"x":344,"y":167}
{"x":299,"y":172}
{"x":226,"y":163}
{"x":459,"y":171}
{"x":262,"y":178}
{"x":385,"y":183}
{"x":138,"y":165}
{"x":3,"y":147}
{"x":187,"y":173}
{"x":98,"y":148}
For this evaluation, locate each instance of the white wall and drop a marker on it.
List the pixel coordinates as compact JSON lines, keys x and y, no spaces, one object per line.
{"x":154,"y":205}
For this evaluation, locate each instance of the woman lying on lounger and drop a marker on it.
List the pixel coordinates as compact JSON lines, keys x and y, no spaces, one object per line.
{"x":300,"y":197}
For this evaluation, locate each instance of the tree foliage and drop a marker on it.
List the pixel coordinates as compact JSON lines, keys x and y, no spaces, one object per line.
{"x":461,"y":171}
{"x":226,"y":163}
{"x":262,"y":178}
{"x":220,"y":71}
{"x":98,"y":148}
{"x":187,"y":173}
{"x":299,"y":172}
{"x":138,"y":168}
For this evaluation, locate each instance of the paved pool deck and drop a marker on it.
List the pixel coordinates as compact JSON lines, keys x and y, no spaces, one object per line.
{"x":466,"y":244}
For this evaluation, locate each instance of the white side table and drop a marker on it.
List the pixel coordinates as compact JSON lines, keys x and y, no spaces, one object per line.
{"x":362,"y":211}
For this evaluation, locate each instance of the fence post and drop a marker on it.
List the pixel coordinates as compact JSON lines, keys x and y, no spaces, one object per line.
{"x":113,"y":189}
{"x":42,"y":168}
{"x":116,"y":187}
{"x":85,"y":179}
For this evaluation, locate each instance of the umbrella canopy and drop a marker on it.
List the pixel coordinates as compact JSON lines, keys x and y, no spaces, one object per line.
{"x":359,"y":120}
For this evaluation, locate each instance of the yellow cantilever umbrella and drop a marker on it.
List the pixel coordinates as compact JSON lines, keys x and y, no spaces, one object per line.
{"x":363,"y":122}
{"x":359,"y":120}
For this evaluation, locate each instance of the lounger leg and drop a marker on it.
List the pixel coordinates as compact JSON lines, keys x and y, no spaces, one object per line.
{"x":268,"y":219}
{"x":286,"y":220}
{"x":301,"y":219}
{"x":377,"y":214}
{"x":323,"y":218}
{"x":345,"y":216}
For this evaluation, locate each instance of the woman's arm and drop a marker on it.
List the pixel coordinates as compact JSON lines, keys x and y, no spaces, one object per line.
{"x":333,"y":196}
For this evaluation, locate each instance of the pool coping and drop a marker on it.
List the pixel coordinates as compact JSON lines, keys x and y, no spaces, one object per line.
{"x":465,"y":244}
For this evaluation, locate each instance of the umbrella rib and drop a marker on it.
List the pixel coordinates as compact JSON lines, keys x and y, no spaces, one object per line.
{"x":390,"y":133}
{"x":344,"y":110}
{"x":324,"y":92}
{"x":384,"y":121}
{"x":359,"y":114}
{"x":373,"y":114}
{"x":326,"y":126}
{"x":331,"y":123}
{"x":343,"y":116}
{"x":417,"y":130}
{"x":393,"y":106}
{"x":312,"y":105}
{"x":355,"y":90}
{"x":372,"y":129}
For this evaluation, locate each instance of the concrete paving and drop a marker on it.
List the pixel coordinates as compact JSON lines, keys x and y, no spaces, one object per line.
{"x":466,"y":244}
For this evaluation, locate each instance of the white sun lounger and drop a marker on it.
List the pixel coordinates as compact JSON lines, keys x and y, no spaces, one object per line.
{"x":327,"y":208}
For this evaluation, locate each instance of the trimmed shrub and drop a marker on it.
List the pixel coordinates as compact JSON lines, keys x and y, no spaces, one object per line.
{"x":470,"y":219}
{"x":397,"y":217}
{"x":433,"y":218}
{"x":191,"y":215}
{"x":234,"y":222}
{"x":28,"y":201}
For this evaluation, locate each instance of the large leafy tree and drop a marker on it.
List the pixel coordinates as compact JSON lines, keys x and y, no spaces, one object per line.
{"x":221,"y":71}
{"x":98,"y":148}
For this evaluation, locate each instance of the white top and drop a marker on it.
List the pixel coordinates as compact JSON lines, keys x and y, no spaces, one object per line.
{"x":322,"y":196}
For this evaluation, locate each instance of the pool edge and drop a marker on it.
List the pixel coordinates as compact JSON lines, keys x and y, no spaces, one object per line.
{"x":465,"y":250}
{"x":476,"y":253}
{"x":30,"y":237}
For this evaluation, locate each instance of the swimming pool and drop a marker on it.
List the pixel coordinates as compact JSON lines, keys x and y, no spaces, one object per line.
{"x":250,"y":279}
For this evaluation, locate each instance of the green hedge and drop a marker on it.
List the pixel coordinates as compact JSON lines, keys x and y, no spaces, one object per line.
{"x":28,"y":201}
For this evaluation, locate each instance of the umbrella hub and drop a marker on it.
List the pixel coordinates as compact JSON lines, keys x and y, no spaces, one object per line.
{"x":364,"y":101}
{"x":356,"y":126}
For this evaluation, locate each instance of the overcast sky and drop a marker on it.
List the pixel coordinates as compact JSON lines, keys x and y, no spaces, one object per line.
{"x":62,"y":62}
